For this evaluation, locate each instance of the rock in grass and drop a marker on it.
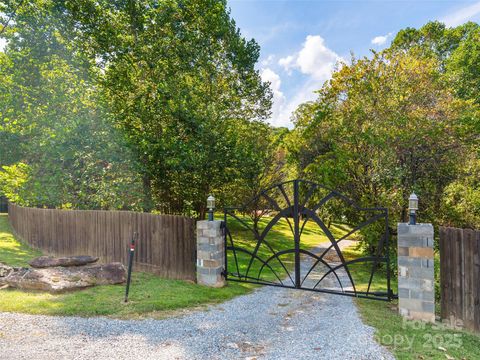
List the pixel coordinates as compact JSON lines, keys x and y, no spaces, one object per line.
{"x":48,"y":261}
{"x":5,"y":270}
{"x":60,"y":279}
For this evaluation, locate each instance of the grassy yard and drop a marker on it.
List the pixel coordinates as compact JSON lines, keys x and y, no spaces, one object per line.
{"x":149,"y":296}
{"x":279,"y":238}
{"x":411,"y":339}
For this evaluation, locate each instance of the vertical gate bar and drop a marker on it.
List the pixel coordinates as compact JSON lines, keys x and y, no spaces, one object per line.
{"x":225,"y":242}
{"x":387,"y":243}
{"x":296,"y":233}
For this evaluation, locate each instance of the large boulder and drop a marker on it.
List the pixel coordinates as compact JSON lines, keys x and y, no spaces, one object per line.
{"x":48,"y":261}
{"x":61,"y":279}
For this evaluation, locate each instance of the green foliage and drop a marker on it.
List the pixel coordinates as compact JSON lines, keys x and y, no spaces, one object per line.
{"x":179,"y":81}
{"x":461,"y":203}
{"x":12,"y":182}
{"x":153,"y":106}
{"x":381,"y":128}
{"x":131,"y":105}
{"x":53,"y":124}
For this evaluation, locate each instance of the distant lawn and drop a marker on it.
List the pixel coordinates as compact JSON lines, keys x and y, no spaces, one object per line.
{"x":280,"y":238}
{"x":12,"y":252}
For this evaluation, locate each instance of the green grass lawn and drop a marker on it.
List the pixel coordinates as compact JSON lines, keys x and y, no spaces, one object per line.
{"x":411,"y":339}
{"x":417,"y":340}
{"x":149,"y":295}
{"x":279,"y":238}
{"x":12,"y":252}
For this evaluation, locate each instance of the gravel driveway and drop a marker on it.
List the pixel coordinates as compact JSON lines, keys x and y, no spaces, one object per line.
{"x":269,"y":323}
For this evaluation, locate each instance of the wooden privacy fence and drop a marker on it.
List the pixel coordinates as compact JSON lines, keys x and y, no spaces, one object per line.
{"x":166,"y":245}
{"x":460,"y":276}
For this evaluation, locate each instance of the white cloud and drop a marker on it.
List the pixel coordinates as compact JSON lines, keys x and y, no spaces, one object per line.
{"x":287,"y":63}
{"x":268,"y":61}
{"x":314,"y":59}
{"x":279,"y":99}
{"x":380,"y":40}
{"x":304,"y":94}
{"x":3,"y":43}
{"x":462,"y":15}
{"x":282,"y":109}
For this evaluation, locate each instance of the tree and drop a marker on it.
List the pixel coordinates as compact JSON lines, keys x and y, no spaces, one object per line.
{"x":461,"y":202}
{"x":59,"y":149}
{"x":179,"y":80}
{"x":165,"y":85}
{"x":456,"y":50}
{"x":382,"y":128}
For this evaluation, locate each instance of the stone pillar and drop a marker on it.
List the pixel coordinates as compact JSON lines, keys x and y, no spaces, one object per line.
{"x":416,"y":285}
{"x":210,"y":253}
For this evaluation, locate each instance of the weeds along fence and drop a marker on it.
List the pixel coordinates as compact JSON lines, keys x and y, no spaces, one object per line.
{"x":166,"y":243}
{"x":460,"y":276}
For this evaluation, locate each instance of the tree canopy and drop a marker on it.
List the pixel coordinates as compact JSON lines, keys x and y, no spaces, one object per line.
{"x":134,"y":104}
{"x":405,"y":119}
{"x":152,"y":106}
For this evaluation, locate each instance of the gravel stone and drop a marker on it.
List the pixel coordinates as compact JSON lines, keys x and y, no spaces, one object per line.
{"x":269,"y":323}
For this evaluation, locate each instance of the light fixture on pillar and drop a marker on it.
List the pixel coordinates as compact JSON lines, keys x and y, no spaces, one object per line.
{"x":211,"y":207}
{"x":412,"y":208}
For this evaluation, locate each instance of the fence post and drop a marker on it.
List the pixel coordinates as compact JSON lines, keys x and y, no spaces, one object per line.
{"x":210,"y":253}
{"x":416,"y":285}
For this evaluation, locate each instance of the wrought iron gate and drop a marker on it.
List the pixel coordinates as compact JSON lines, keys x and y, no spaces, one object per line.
{"x":256,"y":254}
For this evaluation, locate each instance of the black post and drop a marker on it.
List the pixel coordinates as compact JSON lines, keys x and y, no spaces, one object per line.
{"x":225,"y":272}
{"x":296,"y":234}
{"x":130,"y":264}
{"x":413,"y":218}
{"x":210,"y":215}
{"x":387,"y":256}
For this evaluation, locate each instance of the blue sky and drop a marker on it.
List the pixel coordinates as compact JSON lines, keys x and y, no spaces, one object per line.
{"x":301,"y":40}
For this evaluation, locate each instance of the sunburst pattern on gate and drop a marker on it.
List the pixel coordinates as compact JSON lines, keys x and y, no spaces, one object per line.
{"x":256,"y":253}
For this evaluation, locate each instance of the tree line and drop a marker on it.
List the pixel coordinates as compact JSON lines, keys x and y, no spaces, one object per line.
{"x":140,"y":105}
{"x":153,"y":105}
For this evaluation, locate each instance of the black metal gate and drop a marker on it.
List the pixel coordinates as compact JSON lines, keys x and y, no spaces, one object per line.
{"x":289,"y":256}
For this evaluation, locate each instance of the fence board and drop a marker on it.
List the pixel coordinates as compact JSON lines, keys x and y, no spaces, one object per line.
{"x":166,"y":243}
{"x":460,"y":276}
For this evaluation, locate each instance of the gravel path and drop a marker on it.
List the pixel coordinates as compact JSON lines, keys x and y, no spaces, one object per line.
{"x":269,"y":323}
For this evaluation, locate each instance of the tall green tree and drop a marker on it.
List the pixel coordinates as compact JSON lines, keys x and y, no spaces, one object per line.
{"x":382,"y":128}
{"x":58,"y":150}
{"x":175,"y":79}
{"x":179,"y":80}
